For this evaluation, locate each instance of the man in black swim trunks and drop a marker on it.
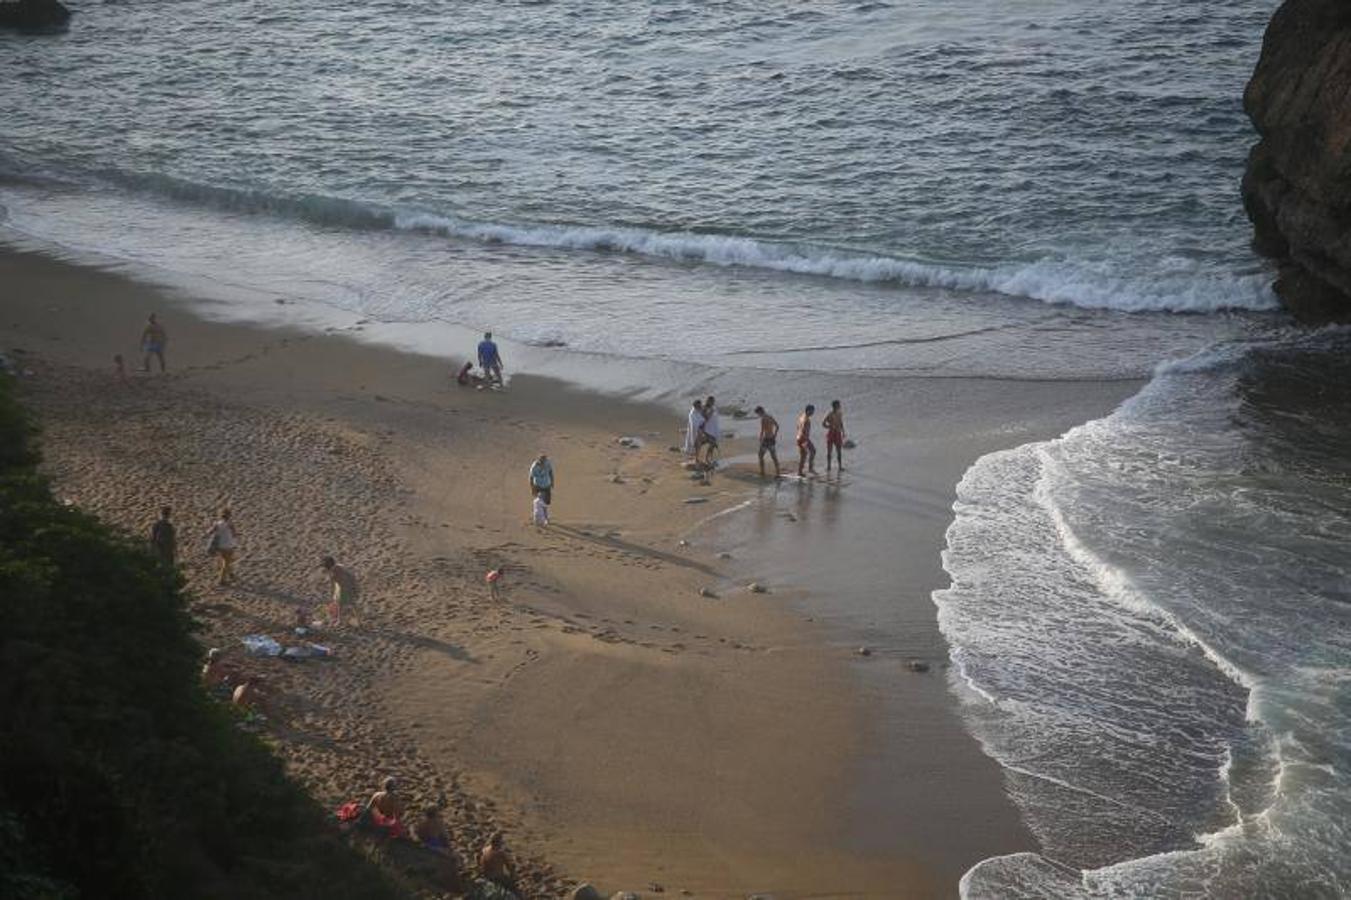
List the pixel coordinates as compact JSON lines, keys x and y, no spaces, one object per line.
{"x":769,"y":436}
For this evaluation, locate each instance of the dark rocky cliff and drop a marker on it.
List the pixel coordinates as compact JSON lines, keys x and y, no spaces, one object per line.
{"x":1297,"y":189}
{"x":33,"y":15}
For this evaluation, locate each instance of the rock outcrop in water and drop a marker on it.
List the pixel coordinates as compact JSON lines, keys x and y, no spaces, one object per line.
{"x":34,"y":15}
{"x":1297,"y":189}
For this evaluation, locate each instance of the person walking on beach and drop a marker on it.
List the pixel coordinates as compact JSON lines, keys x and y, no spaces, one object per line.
{"x":694,"y":429}
{"x":769,"y":440}
{"x":834,"y":424}
{"x":342,"y":609}
{"x":153,"y":341}
{"x":163,"y":538}
{"x":806,"y":450}
{"x":712,"y":430}
{"x":542,"y":479}
{"x":490,"y":359}
{"x":223,"y":542}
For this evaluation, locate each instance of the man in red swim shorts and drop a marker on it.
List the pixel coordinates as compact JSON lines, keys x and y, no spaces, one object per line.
{"x":834,"y":422}
{"x":806,"y":450}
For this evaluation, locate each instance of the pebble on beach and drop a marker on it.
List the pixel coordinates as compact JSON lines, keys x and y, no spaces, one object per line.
{"x":756,"y":587}
{"x":917,"y":665}
{"x":705,"y":592}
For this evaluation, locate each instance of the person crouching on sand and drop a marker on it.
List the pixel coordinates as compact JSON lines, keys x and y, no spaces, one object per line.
{"x":806,"y":450}
{"x":467,"y":378}
{"x":342,"y":609}
{"x":495,"y":862}
{"x":834,"y":424}
{"x":223,"y":542}
{"x":769,"y":440}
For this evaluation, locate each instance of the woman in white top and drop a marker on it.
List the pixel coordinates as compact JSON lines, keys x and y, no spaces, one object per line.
{"x":696,"y":428}
{"x":224,"y":540}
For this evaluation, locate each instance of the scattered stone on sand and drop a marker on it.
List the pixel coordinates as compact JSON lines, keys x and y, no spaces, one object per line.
{"x":865,"y":651}
{"x":917,"y":665}
{"x":674,"y":449}
{"x":696,"y":500}
{"x":682,"y":543}
{"x":792,"y":517}
{"x":724,"y":555}
{"x":625,"y":895}
{"x":585,"y":891}
{"x":616,"y":479}
{"x":756,"y":587}
{"x":632,"y":443}
{"x":655,"y":888}
{"x":705,"y":592}
{"x":849,"y":444}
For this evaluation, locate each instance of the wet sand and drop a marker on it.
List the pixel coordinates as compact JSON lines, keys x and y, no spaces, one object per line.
{"x":617,"y":723}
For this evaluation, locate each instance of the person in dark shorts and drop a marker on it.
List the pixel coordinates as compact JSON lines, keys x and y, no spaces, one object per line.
{"x":490,"y":359}
{"x":769,"y":440}
{"x":163,"y":538}
{"x":834,"y":422}
{"x":153,"y":341}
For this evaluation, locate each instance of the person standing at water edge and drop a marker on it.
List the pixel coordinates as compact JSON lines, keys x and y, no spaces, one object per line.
{"x":769,"y":440}
{"x":163,"y":538}
{"x":806,"y":450}
{"x":712,"y":429}
{"x":542,"y":479}
{"x":153,"y":341}
{"x":694,"y":429}
{"x":223,"y":542}
{"x":490,"y":358}
{"x":834,"y":422}
{"x":343,"y":607}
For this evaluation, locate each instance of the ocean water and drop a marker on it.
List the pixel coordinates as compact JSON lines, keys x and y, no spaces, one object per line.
{"x":1147,"y":614}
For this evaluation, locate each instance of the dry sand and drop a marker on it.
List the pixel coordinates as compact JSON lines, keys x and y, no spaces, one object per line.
{"x":614,"y":721}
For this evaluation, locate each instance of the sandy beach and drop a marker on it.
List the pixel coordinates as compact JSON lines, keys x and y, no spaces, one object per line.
{"x":621,"y":727}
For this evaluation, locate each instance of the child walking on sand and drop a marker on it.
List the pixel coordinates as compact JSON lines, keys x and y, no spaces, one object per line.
{"x":540,"y":511}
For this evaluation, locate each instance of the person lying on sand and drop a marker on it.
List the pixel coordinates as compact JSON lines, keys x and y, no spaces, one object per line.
{"x":769,"y":440}
{"x":495,"y":862}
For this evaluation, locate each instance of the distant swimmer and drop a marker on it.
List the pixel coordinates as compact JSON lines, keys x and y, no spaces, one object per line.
{"x":153,"y":341}
{"x":834,"y":423}
{"x":769,"y":440}
{"x":490,"y":359}
{"x":694,"y":429}
{"x":806,"y":450}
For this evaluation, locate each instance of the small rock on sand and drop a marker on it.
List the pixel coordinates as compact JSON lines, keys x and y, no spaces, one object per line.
{"x":585,"y":892}
{"x":682,"y":543}
{"x":705,"y":592}
{"x":724,"y":555}
{"x":615,"y":479}
{"x":756,"y":587}
{"x":865,"y":651}
{"x":625,"y":895}
{"x":696,"y":499}
{"x":917,"y":665}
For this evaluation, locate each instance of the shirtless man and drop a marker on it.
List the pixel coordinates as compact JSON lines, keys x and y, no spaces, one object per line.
{"x":495,"y":863}
{"x":253,"y":694}
{"x":343,"y":607}
{"x":769,"y":439}
{"x":806,"y":450}
{"x":386,"y":807}
{"x":834,"y":423}
{"x":153,"y":340}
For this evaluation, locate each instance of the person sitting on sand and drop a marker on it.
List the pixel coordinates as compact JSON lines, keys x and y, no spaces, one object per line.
{"x":769,"y":440}
{"x":806,"y":450}
{"x":120,"y":368}
{"x":490,"y":358}
{"x":254,"y":696}
{"x":542,"y":479}
{"x":216,"y":672}
{"x":467,"y":378}
{"x":153,"y":341}
{"x":694,"y":429}
{"x":163,"y":538}
{"x":223,"y":540}
{"x":343,"y":607}
{"x":834,"y":425}
{"x":495,"y":862}
{"x":431,"y":832}
{"x":385,"y":810}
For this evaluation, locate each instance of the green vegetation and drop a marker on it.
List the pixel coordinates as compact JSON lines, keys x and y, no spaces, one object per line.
{"x":118,"y":776}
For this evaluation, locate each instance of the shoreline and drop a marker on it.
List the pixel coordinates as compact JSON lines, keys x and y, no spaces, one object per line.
{"x":621,"y":726}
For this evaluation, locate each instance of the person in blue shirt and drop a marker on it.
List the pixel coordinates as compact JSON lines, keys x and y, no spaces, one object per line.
{"x":489,"y":359}
{"x":542,"y":479}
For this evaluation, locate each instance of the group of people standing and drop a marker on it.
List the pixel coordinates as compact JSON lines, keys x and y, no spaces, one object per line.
{"x":704,"y":432}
